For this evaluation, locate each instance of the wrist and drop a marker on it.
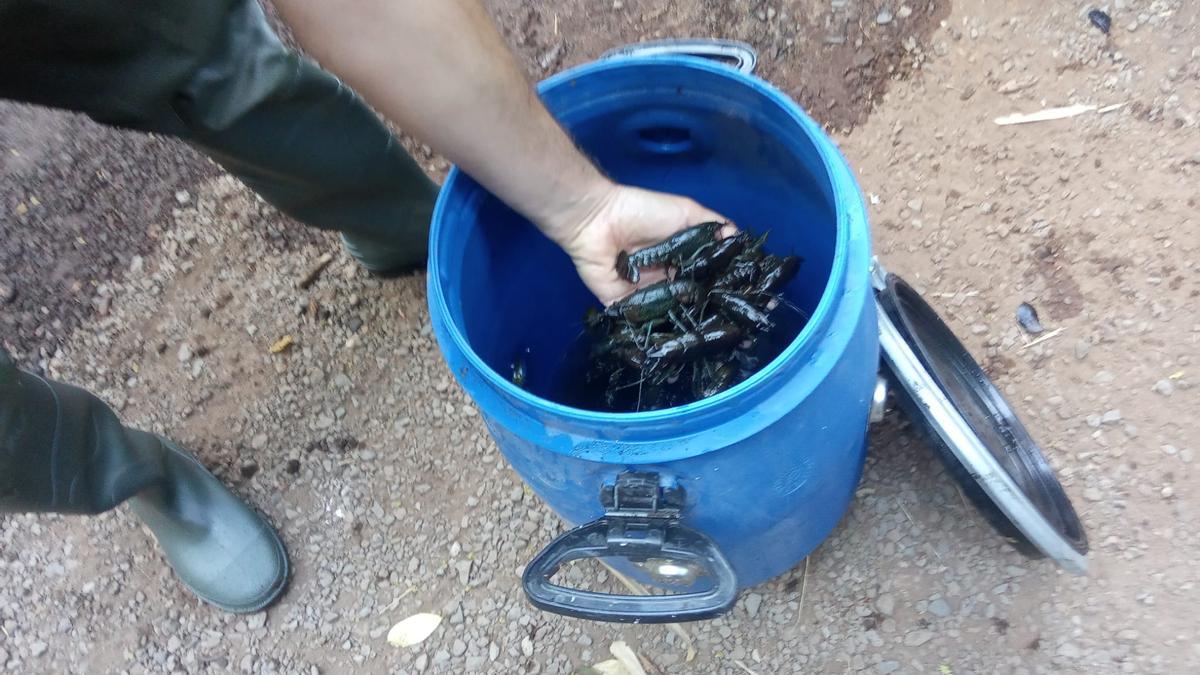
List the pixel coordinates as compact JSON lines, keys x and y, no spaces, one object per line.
{"x":572,"y":203}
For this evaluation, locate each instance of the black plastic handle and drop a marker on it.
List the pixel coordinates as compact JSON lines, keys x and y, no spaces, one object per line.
{"x":637,"y":539}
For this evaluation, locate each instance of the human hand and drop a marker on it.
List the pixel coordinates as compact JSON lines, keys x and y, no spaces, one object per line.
{"x":623,"y":218}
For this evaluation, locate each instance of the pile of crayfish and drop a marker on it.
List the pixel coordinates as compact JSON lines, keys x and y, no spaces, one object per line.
{"x":693,"y":334}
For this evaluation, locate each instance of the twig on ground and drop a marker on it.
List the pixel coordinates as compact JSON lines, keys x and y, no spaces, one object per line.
{"x":1047,"y":336}
{"x":803,"y":588}
{"x":1045,"y":115}
{"x":315,"y":271}
{"x":638,"y":589}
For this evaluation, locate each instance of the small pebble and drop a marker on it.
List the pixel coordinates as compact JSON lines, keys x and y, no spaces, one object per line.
{"x":1068,"y":650}
{"x":8,"y":292}
{"x":1101,"y":20}
{"x":753,"y":602}
{"x":1082,"y":347}
{"x":1128,"y":636}
{"x":1027,"y":318}
{"x":886,"y":604}
{"x":917,"y":638}
{"x":939,"y":608}
{"x":1164,"y":387}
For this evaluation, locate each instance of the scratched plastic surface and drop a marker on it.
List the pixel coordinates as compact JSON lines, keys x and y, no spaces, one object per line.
{"x":769,"y":466}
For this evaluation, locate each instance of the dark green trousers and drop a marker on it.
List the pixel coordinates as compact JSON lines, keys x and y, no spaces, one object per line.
{"x":210,"y":72}
{"x":62,"y":449}
{"x":213,"y":73}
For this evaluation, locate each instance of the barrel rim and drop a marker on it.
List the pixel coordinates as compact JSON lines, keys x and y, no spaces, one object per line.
{"x":848,"y":208}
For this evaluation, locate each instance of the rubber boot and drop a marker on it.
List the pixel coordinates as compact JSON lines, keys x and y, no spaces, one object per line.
{"x":63,"y":450}
{"x":214,"y":74}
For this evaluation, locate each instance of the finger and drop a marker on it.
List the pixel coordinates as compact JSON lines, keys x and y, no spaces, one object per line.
{"x":612,"y":289}
{"x":701,"y":214}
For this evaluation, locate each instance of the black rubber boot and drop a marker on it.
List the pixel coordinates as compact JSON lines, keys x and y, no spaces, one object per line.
{"x":63,"y":450}
{"x":214,"y":74}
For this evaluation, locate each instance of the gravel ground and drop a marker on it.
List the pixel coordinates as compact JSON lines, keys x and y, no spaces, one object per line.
{"x":392,"y":498}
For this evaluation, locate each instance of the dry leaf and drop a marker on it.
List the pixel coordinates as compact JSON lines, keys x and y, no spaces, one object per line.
{"x":609,"y":667}
{"x":745,"y":668}
{"x":627,"y":658}
{"x":414,"y":629}
{"x":282,"y":344}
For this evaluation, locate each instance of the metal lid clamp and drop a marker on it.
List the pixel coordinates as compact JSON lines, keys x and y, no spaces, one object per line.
{"x":985,"y":447}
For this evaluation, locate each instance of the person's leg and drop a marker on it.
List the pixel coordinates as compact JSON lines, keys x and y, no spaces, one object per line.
{"x":215,"y":75}
{"x":307,"y":143}
{"x":63,"y":450}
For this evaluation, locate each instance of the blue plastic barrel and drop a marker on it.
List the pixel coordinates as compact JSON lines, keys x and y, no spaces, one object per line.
{"x":746,"y":482}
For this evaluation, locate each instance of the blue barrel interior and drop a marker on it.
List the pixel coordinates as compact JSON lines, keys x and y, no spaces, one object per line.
{"x":704,"y":147}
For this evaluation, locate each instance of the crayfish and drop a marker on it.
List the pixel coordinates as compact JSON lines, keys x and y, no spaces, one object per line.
{"x":696,"y":333}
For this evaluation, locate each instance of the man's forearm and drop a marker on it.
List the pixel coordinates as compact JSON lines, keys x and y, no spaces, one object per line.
{"x":441,"y":71}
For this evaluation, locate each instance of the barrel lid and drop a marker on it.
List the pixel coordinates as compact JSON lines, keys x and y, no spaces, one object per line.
{"x":973,"y":429}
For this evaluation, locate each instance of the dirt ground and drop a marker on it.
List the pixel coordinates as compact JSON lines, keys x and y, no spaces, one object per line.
{"x":131,"y":266}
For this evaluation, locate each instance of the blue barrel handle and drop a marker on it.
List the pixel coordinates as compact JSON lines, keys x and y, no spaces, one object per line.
{"x":738,"y":55}
{"x":618,"y":536}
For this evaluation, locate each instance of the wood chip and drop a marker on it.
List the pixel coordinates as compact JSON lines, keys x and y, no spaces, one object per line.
{"x":315,"y":271}
{"x":282,"y":344}
{"x":1045,"y":115}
